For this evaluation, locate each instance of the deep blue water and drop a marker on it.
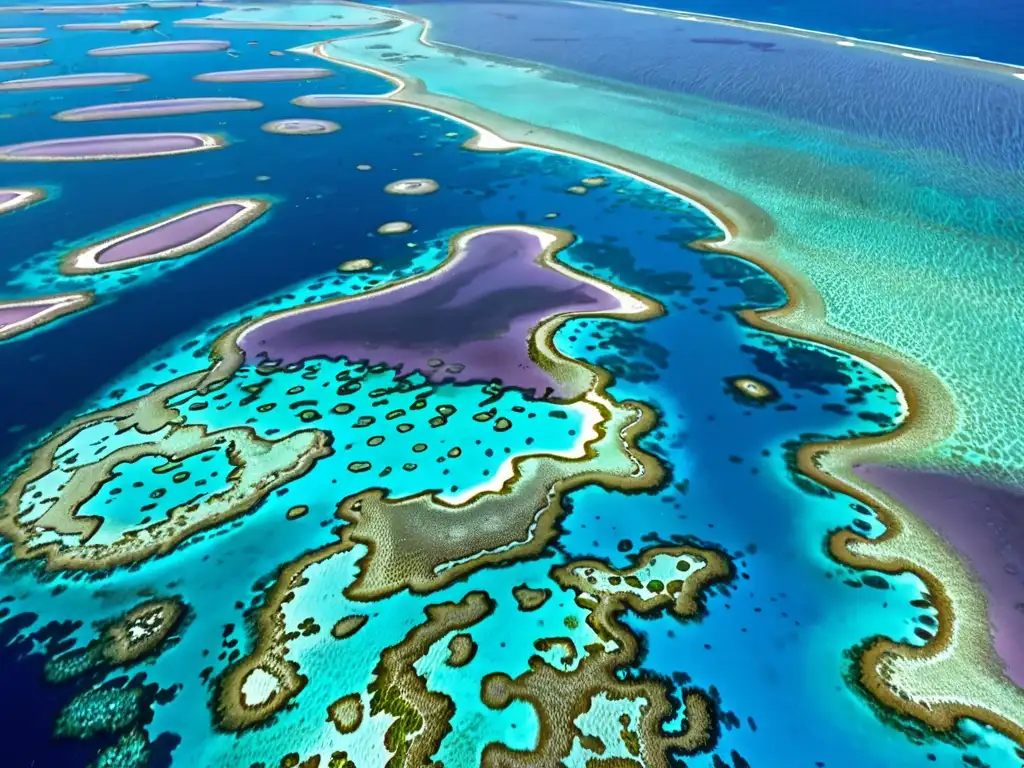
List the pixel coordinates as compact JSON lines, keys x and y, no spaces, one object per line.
{"x":990,"y":29}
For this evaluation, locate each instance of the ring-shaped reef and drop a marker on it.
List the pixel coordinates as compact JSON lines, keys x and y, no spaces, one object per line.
{"x":13,"y":199}
{"x":19,"y":316}
{"x":298,"y":126}
{"x":157,"y":108}
{"x":412,"y":187}
{"x":170,"y":237}
{"x":121,"y":146}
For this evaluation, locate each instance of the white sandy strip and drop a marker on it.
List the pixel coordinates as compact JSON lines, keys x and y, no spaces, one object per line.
{"x":494,"y":141}
{"x":258,"y":687}
{"x":22,"y":197}
{"x":86,"y":259}
{"x":49,"y":306}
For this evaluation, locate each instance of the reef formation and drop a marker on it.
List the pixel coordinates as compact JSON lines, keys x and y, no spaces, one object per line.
{"x":421,"y":542}
{"x":412,"y":443}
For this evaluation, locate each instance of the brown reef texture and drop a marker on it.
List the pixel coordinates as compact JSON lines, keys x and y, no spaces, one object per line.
{"x":560,"y":696}
{"x":419,"y":544}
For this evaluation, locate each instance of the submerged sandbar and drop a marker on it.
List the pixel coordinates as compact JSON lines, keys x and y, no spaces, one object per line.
{"x":13,"y":199}
{"x":21,"y":42}
{"x":336,"y":100}
{"x":157,"y":108}
{"x":168,"y":238}
{"x":18,"y":316}
{"x":122,"y":146}
{"x":24,"y":64}
{"x":82,"y":8}
{"x":127,"y":25}
{"x":70,"y":9}
{"x":297,"y":126}
{"x":84,"y":80}
{"x":264,"y":75}
{"x":166,"y":46}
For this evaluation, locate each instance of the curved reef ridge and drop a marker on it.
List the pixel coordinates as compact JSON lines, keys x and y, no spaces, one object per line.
{"x":19,"y":316}
{"x":846,"y":148}
{"x":990,"y":537}
{"x":953,"y":675}
{"x":13,"y":199}
{"x":171,"y":237}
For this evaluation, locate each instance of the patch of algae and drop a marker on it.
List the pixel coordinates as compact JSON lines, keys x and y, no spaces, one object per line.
{"x":461,"y":650}
{"x":423,"y":543}
{"x":530,"y":599}
{"x":421,"y":717}
{"x":878,"y":226}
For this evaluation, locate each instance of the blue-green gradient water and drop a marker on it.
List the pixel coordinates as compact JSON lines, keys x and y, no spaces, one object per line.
{"x":773,"y":643}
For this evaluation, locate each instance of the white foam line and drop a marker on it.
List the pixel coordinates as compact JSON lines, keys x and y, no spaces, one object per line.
{"x":319,"y":50}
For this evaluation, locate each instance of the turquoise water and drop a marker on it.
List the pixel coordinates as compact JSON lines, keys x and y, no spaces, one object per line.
{"x":772,"y":643}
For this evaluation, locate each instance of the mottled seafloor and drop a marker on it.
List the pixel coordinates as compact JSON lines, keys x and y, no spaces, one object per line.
{"x":773,"y":643}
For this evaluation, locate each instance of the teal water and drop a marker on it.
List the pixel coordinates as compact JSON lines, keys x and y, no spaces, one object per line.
{"x":773,"y":642}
